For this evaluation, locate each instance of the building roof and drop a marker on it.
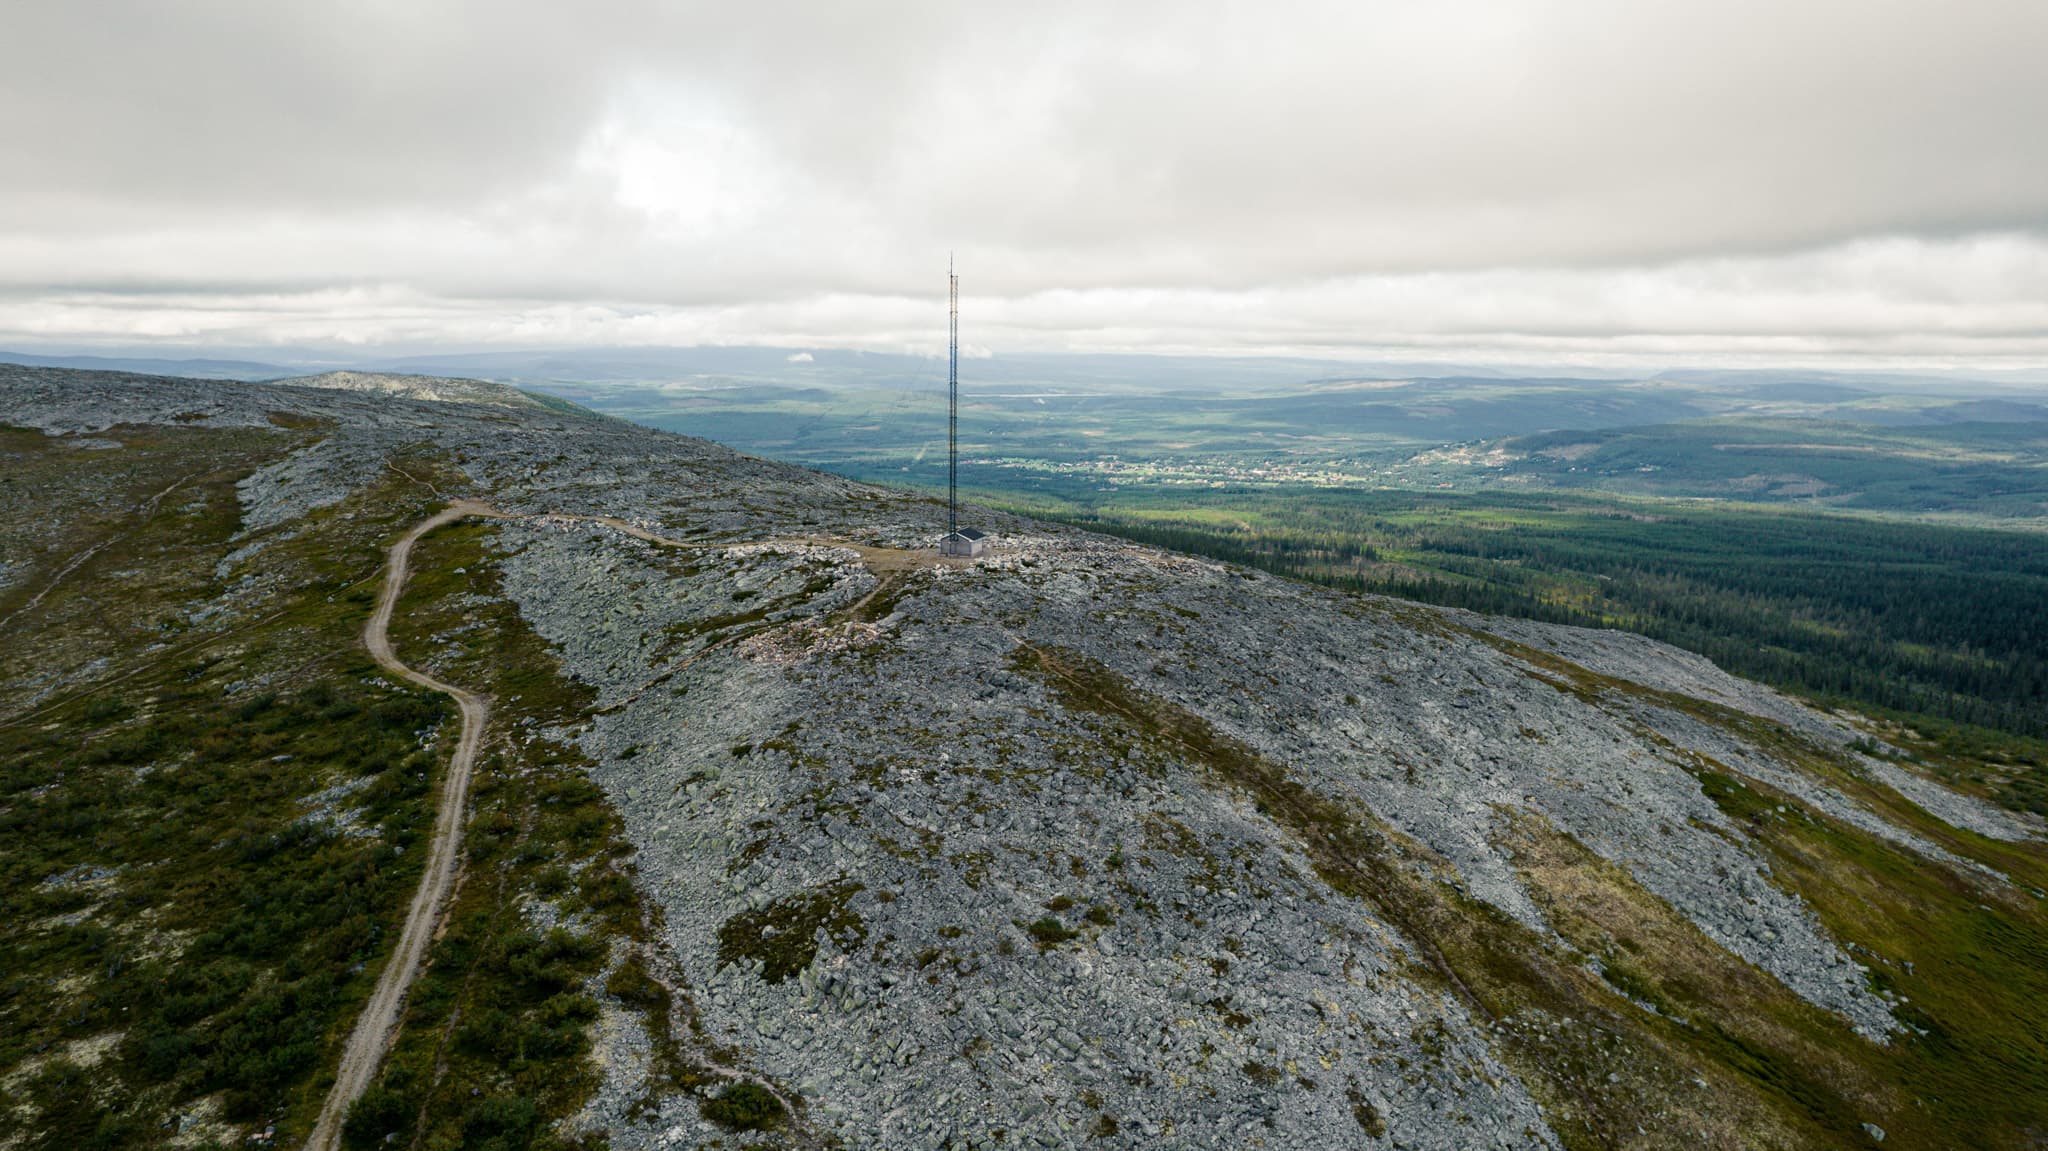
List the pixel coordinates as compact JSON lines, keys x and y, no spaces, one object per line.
{"x":968,"y":534}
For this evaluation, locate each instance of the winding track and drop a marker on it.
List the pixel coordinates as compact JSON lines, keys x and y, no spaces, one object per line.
{"x":378,"y":1023}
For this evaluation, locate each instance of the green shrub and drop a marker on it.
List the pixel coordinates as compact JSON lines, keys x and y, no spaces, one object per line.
{"x":376,"y":1113}
{"x":603,"y":889}
{"x":1049,"y":932}
{"x":553,"y":881}
{"x":106,"y":709}
{"x":631,"y":984}
{"x":783,"y":936}
{"x":743,"y":1107}
{"x":499,"y":1123}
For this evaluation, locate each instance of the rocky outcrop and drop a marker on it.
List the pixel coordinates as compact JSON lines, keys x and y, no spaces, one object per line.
{"x":438,"y":389}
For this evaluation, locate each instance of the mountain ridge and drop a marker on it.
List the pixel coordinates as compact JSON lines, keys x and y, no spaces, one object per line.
{"x":1093,"y":840}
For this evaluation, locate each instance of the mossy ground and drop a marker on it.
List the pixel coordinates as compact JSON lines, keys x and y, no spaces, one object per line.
{"x":1968,"y":958}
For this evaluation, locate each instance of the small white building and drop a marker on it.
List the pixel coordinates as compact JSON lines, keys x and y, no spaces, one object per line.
{"x":969,"y":542}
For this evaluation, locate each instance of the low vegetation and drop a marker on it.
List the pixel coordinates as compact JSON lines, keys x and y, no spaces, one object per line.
{"x":206,"y":842}
{"x":211,"y":842}
{"x":782,"y":937}
{"x":744,"y":1107}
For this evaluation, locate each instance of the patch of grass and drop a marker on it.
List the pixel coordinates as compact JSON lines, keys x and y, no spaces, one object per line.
{"x":1366,"y":1115}
{"x":1826,"y":763}
{"x":1049,"y":933}
{"x":1969,"y":956}
{"x":1229,"y":1015}
{"x":782,"y":936}
{"x":744,"y":1107}
{"x":1743,"y":1024}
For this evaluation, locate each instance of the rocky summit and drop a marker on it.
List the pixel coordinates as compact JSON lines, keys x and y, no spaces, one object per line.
{"x":1085,"y":843}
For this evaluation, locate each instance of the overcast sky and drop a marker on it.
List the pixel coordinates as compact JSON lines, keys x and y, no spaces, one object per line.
{"x":1727,"y":181}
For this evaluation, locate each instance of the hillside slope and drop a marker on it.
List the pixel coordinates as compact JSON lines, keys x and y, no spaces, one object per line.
{"x":1081,"y":841}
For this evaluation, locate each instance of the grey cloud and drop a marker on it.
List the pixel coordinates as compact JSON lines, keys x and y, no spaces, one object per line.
{"x":239,"y":103}
{"x":1980,"y":301}
{"x":643,"y":158}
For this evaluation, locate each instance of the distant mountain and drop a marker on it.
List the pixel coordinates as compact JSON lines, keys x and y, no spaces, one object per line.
{"x":440,"y":389}
{"x":155,"y":366}
{"x":851,"y":368}
{"x":796,"y":366}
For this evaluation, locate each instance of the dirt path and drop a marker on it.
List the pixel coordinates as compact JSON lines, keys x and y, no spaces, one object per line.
{"x":378,"y":1023}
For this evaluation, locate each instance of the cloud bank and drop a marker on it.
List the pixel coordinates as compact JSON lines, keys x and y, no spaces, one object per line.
{"x":1855,"y":181}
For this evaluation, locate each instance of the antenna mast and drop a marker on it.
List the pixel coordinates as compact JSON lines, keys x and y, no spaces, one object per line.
{"x":952,"y":399}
